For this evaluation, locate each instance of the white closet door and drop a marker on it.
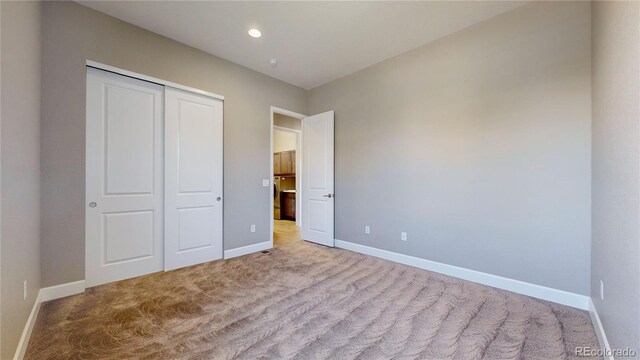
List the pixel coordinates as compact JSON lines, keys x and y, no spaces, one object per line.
{"x":193,"y":179}
{"x":124,"y":187}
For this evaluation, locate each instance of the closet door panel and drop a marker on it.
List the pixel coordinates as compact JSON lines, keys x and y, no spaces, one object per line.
{"x":124,"y":232}
{"x":196,"y":148}
{"x":193,"y":179}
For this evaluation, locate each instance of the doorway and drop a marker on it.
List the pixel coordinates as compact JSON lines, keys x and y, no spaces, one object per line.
{"x":303,"y":178}
{"x":286,"y":172}
{"x":286,"y":165}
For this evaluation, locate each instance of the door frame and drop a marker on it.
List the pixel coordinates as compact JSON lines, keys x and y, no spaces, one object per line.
{"x":295,"y":115}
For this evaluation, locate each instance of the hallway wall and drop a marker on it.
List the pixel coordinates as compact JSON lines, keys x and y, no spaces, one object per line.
{"x":20,"y":167}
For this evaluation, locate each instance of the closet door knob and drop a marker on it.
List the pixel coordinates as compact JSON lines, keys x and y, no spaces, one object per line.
{"x":218,"y":198}
{"x":92,"y":204}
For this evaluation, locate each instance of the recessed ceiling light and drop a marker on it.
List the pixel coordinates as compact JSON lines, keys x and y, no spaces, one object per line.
{"x":255,"y":33}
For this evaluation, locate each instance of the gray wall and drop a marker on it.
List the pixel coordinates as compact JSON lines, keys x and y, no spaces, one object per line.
{"x":20,"y":159}
{"x":477,"y":145}
{"x":74,"y":33}
{"x":615,"y":252}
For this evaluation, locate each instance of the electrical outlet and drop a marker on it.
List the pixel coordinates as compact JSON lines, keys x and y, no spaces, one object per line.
{"x":367,"y":230}
{"x":265,"y":182}
{"x":403,"y":236}
{"x":253,"y":228}
{"x":24,"y":290}
{"x":601,"y":290}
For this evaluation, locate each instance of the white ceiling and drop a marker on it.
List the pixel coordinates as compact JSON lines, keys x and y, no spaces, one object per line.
{"x":315,"y":42}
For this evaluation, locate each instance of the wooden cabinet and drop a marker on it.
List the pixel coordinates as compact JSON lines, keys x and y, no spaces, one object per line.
{"x":284,"y":163}
{"x":288,"y":207}
{"x":277,"y":167}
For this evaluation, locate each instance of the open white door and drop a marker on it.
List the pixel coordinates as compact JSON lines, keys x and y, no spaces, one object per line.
{"x":317,"y":179}
{"x":124,"y":177}
{"x":193,"y":179}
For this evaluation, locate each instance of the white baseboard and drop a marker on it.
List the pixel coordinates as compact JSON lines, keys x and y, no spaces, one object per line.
{"x":28,"y":328}
{"x":62,"y":290}
{"x":228,"y":254}
{"x":597,"y":325}
{"x":45,"y":294}
{"x":517,"y":286}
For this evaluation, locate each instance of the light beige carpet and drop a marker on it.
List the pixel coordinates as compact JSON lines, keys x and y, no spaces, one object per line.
{"x":308,"y":302}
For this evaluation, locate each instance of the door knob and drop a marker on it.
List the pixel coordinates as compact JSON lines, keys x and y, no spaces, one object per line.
{"x":328,"y":195}
{"x":92,"y":204}
{"x":218,"y":198}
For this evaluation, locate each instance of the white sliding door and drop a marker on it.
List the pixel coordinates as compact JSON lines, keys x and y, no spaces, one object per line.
{"x":317,"y":178}
{"x":124,"y":189}
{"x":193,"y":179}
